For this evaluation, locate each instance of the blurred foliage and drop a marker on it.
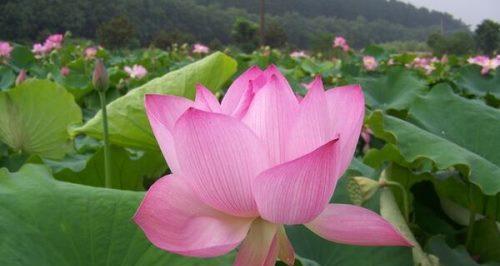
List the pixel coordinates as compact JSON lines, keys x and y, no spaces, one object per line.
{"x":460,"y":43}
{"x":244,"y":34}
{"x":488,"y":36}
{"x":275,"y":35}
{"x":116,"y":33}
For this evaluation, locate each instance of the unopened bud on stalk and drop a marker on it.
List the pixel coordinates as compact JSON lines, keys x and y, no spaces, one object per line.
{"x":361,"y":189}
{"x":21,"y":77}
{"x":100,"y":78}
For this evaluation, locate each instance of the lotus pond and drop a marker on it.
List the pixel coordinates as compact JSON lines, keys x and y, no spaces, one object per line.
{"x":427,"y":159}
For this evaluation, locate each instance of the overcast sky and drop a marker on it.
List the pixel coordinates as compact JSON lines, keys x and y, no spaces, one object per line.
{"x":472,"y":12}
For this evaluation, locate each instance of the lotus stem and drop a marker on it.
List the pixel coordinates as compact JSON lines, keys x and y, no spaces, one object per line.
{"x":406,"y":206}
{"x":107,"y":151}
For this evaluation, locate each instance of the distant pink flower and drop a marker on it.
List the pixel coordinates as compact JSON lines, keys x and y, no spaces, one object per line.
{"x":243,"y":168}
{"x":90,"y":53}
{"x":485,"y":62}
{"x":5,"y":49}
{"x":444,"y":59}
{"x":136,"y":71}
{"x":199,"y":48}
{"x":39,"y":49}
{"x":340,"y":42}
{"x":64,"y":71}
{"x":52,"y":42}
{"x":390,"y":62}
{"x":427,"y":64}
{"x":298,"y":54}
{"x":370,"y":63}
{"x":55,"y":38}
{"x":478,"y":60}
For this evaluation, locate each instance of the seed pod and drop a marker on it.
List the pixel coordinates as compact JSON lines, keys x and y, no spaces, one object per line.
{"x":361,"y":189}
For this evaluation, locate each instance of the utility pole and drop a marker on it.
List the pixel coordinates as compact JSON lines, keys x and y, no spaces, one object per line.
{"x":442,"y":26}
{"x":262,"y":22}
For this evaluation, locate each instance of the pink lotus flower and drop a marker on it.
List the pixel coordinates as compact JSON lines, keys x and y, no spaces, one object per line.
{"x":370,"y":63}
{"x":64,"y":71}
{"x":485,"y":62}
{"x":39,"y":49}
{"x":55,"y":38}
{"x":340,"y":42}
{"x":298,"y":54}
{"x":90,"y":53}
{"x":243,"y":168}
{"x":54,"y":42}
{"x":5,"y":49}
{"x":199,"y":48}
{"x":427,"y":64}
{"x":136,"y":71}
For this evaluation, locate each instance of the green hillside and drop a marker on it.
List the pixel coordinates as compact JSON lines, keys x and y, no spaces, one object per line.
{"x":361,"y":21}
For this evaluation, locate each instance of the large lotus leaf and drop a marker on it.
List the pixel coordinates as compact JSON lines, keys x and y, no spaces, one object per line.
{"x":448,"y":131}
{"x":324,"y":252}
{"x":471,"y":80}
{"x":22,"y":57}
{"x":395,"y":90}
{"x":128,"y":168}
{"x":128,"y":125}
{"x":34,"y":118}
{"x":48,"y":222}
{"x":7,"y":77}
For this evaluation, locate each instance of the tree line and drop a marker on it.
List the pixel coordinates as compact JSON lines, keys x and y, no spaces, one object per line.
{"x":300,"y":24}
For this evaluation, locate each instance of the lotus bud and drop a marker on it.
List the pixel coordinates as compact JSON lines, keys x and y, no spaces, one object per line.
{"x":361,"y":189}
{"x":100,"y":78}
{"x":21,"y":77}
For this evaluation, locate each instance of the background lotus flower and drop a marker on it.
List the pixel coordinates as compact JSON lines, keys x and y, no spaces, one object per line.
{"x":243,"y":168}
{"x":90,"y":53}
{"x":52,"y":42}
{"x":55,"y":38}
{"x":426,"y":64}
{"x":64,"y":71}
{"x":485,"y":62}
{"x":298,"y":54}
{"x":136,"y":71}
{"x":340,"y":42}
{"x":5,"y":49}
{"x":199,"y":48}
{"x":370,"y":63}
{"x":39,"y":49}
